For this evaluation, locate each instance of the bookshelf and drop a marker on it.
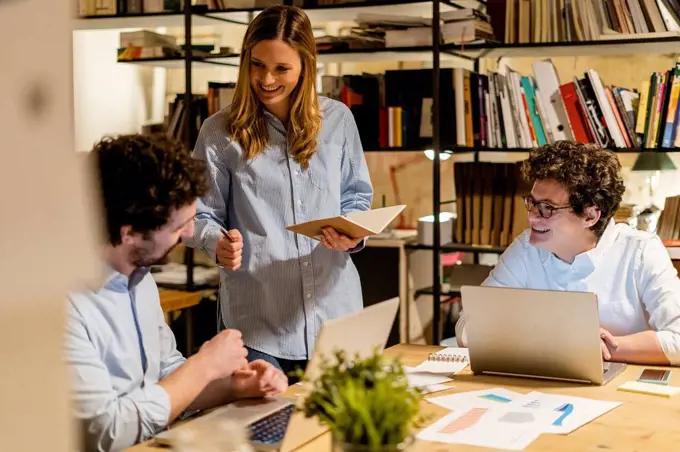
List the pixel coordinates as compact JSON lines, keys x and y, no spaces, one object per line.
{"x":468,"y":55}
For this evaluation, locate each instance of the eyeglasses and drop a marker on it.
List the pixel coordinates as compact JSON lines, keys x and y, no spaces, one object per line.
{"x":545,"y":210}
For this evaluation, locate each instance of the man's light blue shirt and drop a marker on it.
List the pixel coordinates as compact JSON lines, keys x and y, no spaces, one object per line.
{"x":118,"y":347}
{"x":288,"y":284}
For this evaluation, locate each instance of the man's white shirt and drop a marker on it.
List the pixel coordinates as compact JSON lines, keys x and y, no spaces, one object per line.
{"x":630,"y":271}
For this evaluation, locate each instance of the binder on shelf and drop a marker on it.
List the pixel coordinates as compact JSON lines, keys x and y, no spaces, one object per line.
{"x":356,"y":224}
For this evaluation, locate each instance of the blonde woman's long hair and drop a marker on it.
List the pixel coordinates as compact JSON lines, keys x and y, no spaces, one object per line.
{"x":246,"y":122}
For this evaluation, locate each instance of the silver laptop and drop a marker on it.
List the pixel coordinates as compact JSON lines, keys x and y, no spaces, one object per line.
{"x":272,"y":422}
{"x":535,"y":333}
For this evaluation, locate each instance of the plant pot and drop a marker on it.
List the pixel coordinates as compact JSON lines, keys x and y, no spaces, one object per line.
{"x":340,"y":446}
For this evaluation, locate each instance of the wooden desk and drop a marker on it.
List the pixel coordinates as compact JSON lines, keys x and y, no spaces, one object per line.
{"x":642,"y":422}
{"x":177,"y":300}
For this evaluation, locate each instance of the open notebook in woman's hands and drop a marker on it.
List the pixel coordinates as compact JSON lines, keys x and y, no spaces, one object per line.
{"x":356,"y":225}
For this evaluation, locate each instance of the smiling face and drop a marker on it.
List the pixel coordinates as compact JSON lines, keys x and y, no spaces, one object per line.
{"x":154,"y":247}
{"x":275,"y":69}
{"x":564,"y":233}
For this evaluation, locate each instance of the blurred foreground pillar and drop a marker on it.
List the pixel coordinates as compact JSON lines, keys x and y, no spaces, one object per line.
{"x":47,"y":227}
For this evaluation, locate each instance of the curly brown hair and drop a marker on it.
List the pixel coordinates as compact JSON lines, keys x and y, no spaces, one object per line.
{"x":143,"y":179}
{"x":591,"y":175}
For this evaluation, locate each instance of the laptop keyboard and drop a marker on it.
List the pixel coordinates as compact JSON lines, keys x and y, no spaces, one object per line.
{"x":271,"y":429}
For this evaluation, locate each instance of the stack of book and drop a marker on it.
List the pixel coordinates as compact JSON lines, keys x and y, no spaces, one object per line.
{"x":140,"y":44}
{"x":456,"y":26}
{"x":135,"y":45}
{"x":668,"y":227}
{"x":359,"y":38}
{"x":586,"y":20}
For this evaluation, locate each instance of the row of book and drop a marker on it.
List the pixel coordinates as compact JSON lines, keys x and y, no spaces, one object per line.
{"x":585,"y":20}
{"x":239,"y":4}
{"x":219,"y":96}
{"x":129,"y":7}
{"x":175,"y":124}
{"x":123,"y":7}
{"x":523,"y":111}
{"x":387,"y":115}
{"x":497,"y":110}
{"x":668,"y":227}
{"x":489,"y":205}
{"x":510,"y":110}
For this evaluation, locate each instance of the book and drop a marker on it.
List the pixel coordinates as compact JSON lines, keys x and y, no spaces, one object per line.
{"x":356,"y":225}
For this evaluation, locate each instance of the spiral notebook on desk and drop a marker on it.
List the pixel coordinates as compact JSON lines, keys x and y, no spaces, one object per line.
{"x":449,"y":361}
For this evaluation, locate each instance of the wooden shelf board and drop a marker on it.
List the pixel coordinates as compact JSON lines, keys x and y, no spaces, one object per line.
{"x":347,"y":13}
{"x":609,"y":47}
{"x":450,"y":247}
{"x":149,"y":20}
{"x":178,"y":63}
{"x":317,"y":15}
{"x":361,"y":55}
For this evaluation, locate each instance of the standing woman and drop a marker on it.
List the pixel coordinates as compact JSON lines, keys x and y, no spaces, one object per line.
{"x":279,"y":155}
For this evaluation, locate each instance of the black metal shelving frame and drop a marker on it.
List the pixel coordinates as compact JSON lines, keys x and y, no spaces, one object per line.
{"x":471,"y":52}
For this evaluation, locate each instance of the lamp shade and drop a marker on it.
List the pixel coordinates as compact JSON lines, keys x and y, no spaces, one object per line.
{"x":653,"y":161}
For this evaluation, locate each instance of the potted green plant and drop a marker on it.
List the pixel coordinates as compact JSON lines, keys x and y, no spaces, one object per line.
{"x":367,"y":403}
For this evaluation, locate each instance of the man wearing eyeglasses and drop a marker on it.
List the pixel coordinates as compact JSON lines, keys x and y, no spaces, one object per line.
{"x":573,"y":244}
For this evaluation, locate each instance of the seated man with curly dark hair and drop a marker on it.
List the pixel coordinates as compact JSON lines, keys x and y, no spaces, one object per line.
{"x":128,"y":379}
{"x":573,"y":244}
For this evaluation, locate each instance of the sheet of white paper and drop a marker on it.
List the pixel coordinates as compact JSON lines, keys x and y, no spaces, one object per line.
{"x":486,"y":398}
{"x":435,"y":388}
{"x":421,"y":379}
{"x":498,"y":428}
{"x":574,"y":411}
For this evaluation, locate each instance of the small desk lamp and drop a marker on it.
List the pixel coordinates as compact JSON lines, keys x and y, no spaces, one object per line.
{"x":653,"y":163}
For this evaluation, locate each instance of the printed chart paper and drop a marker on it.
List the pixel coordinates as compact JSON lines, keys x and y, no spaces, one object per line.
{"x":574,"y":411}
{"x":498,"y":427}
{"x":486,"y":398}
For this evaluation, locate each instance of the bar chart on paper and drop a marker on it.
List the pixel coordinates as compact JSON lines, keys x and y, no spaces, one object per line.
{"x":464,"y":422}
{"x":567,"y":409}
{"x":574,"y":412}
{"x":497,"y":428}
{"x":533,"y":404}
